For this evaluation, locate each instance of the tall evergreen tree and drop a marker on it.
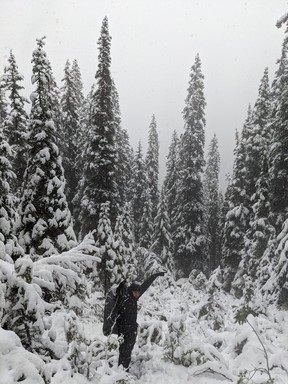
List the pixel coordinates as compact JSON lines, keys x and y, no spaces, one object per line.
{"x":45,"y":226}
{"x":212,"y":203}
{"x":278,"y":157}
{"x":238,"y":214}
{"x":146,"y":223}
{"x":99,"y":180}
{"x":7,"y":202}
{"x":3,"y":102}
{"x":70,"y":146}
{"x":138,"y":189}
{"x":152,"y":165}
{"x":171,"y":180}
{"x":123,"y":151}
{"x":15,"y":125}
{"x":162,"y":239}
{"x":190,"y":239}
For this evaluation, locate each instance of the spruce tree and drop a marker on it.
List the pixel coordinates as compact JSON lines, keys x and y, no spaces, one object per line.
{"x":123,"y":151}
{"x":278,"y":156}
{"x":99,"y":179}
{"x":239,"y":210}
{"x":70,"y":146}
{"x":15,"y":125}
{"x":190,"y":240}
{"x":212,"y":204}
{"x":3,"y":102}
{"x":8,"y":214}
{"x":162,"y":240}
{"x":152,"y":165}
{"x":146,"y":223}
{"x":138,"y":190}
{"x":171,"y":179}
{"x":45,"y":220}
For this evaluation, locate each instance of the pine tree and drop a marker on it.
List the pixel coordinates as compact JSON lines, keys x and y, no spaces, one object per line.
{"x":152,"y":165}
{"x":138,"y":190}
{"x":278,"y":157}
{"x":239,"y":211}
{"x":212,"y":203}
{"x":77,"y":81}
{"x":125,"y":244}
{"x":70,"y":146}
{"x":171,"y":180}
{"x":45,"y":226}
{"x":190,"y":239}
{"x":124,"y":152}
{"x":162,"y":239}
{"x":3,"y":102}
{"x":99,"y":181}
{"x":146,"y":223}
{"x":110,"y":266}
{"x":15,"y":125}
{"x":7,"y":203}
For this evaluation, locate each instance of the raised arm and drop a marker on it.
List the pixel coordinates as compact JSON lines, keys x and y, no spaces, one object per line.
{"x":149,"y":281}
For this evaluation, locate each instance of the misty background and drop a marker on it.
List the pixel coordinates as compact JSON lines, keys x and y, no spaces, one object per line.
{"x":153,"y":47}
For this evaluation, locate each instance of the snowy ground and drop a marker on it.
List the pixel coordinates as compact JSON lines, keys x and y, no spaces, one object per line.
{"x":194,"y":329}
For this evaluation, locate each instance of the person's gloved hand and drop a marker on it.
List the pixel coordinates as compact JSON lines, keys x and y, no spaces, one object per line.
{"x":161,"y":273}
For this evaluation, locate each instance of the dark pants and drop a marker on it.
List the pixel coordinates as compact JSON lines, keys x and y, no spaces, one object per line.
{"x":126,"y":348}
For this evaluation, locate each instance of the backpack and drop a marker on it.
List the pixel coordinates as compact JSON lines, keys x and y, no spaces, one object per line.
{"x":113,"y":300}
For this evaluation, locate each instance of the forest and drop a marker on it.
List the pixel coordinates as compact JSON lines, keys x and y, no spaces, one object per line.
{"x":81,"y":211}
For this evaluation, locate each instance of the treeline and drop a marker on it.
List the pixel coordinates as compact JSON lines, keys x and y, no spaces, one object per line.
{"x":68,"y":169}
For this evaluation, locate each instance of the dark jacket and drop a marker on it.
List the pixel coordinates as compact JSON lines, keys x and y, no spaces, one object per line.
{"x":127,"y":311}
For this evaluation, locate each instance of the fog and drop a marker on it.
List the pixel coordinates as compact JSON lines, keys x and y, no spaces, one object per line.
{"x":154,"y":43}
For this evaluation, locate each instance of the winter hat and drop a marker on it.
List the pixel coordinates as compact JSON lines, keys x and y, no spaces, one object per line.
{"x":135,"y":286}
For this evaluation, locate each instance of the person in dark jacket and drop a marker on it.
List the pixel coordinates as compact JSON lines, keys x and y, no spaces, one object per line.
{"x":127,"y":318}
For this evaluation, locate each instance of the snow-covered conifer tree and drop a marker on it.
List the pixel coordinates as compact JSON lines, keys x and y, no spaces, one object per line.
{"x":70,"y":132}
{"x":123,"y":150}
{"x":152,"y":165}
{"x":171,"y":179}
{"x":111,"y":264}
{"x":15,"y":125}
{"x":7,"y":203}
{"x":45,"y":220}
{"x":278,"y":157}
{"x":162,"y":240}
{"x":146,"y":223}
{"x":138,"y":189}
{"x":99,"y":179}
{"x":190,"y":242}
{"x":3,"y":102}
{"x":212,"y":204}
{"x":238,"y":214}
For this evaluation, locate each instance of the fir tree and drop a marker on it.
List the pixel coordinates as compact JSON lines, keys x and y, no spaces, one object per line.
{"x":146,"y":223}
{"x":212,"y":203}
{"x":171,"y":179}
{"x":162,"y":239}
{"x":239,"y":211}
{"x":3,"y":102}
{"x":138,"y":189}
{"x":7,"y":203}
{"x":278,"y":157}
{"x":70,"y":146}
{"x":45,"y":226}
{"x":110,"y":266}
{"x":99,"y":180}
{"x":124,"y":152}
{"x":15,"y":125}
{"x":190,"y":239}
{"x":152,"y":165}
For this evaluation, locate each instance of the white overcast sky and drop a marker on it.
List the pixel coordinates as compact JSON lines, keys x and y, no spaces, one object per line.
{"x":154,"y":43}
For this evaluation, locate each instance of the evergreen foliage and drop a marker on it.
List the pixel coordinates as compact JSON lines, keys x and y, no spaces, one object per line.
{"x":70,"y":144}
{"x":45,"y":220}
{"x":15,"y":124}
{"x":162,"y":240}
{"x":99,"y":180}
{"x":152,"y":165}
{"x":212,"y":204}
{"x":190,"y":242}
{"x":171,"y":180}
{"x":8,"y":214}
{"x":138,"y":190}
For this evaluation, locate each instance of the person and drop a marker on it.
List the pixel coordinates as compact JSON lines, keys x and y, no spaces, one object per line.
{"x":126,"y":323}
